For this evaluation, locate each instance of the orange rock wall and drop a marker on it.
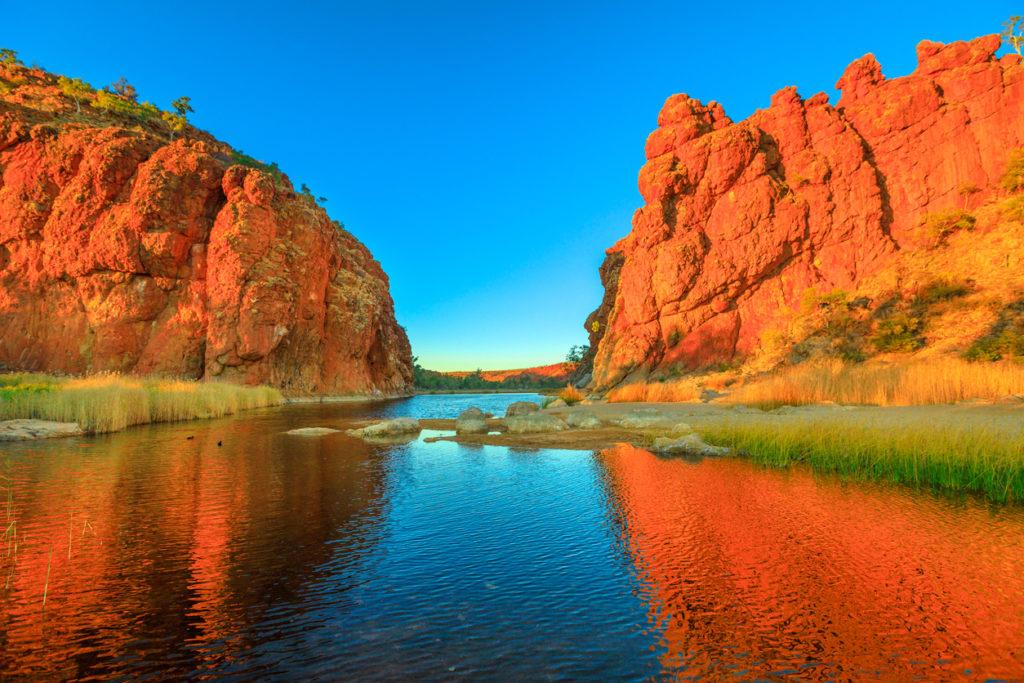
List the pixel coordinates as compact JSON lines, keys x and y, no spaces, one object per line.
{"x":120,"y":252}
{"x":741,"y":218}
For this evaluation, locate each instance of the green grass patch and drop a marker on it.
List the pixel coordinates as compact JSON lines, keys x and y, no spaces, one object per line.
{"x":974,"y":458}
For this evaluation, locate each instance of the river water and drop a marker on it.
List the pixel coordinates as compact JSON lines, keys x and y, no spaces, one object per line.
{"x":227,"y":548}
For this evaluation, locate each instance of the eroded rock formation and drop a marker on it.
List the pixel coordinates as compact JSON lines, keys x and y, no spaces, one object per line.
{"x":121,"y":252}
{"x":740,"y":219}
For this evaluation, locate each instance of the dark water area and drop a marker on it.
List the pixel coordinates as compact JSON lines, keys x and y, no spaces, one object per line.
{"x":293,"y":558}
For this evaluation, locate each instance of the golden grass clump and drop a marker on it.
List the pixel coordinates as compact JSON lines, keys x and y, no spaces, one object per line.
{"x":655,"y":392}
{"x":109,"y":402}
{"x":570,"y":394}
{"x":945,"y":380}
{"x":980,"y":457}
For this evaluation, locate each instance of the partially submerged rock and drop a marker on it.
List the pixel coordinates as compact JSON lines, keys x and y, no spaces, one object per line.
{"x":471,"y":421}
{"x":521,"y":408}
{"x":583,"y":419}
{"x":534,"y":423}
{"x":312,"y":431}
{"x":691,"y":444}
{"x":402,"y":426}
{"x":23,"y":430}
{"x":644,"y":418}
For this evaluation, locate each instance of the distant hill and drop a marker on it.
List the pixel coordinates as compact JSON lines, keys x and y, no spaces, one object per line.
{"x":541,"y":377}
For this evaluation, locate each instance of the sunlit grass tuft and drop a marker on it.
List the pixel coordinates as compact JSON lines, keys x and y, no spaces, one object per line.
{"x":655,"y":392}
{"x":945,"y":380}
{"x":107,"y":403}
{"x":571,"y":395}
{"x":980,"y":458}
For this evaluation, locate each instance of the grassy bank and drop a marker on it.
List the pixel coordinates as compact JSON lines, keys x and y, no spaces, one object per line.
{"x":982,"y":457}
{"x":935,"y":381}
{"x":107,"y":403}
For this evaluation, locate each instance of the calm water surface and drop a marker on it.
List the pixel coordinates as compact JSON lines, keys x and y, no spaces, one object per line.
{"x":283,"y":557}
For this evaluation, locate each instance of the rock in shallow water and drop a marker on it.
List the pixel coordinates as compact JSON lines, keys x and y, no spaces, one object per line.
{"x":690,"y":444}
{"x":471,"y":421}
{"x":534,"y":423}
{"x":389,"y":428}
{"x":23,"y":430}
{"x":312,"y":431}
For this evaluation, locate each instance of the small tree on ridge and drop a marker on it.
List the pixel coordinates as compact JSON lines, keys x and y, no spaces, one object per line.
{"x":76,"y":88}
{"x":1013,"y":32}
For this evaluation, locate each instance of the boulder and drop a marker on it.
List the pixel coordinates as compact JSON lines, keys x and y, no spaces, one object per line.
{"x":583,"y":419}
{"x":557,"y":403}
{"x":691,"y":444}
{"x":471,"y":421}
{"x":402,"y":426}
{"x":521,"y":408}
{"x":533,"y":423}
{"x":645,"y":418}
{"x":23,"y":430}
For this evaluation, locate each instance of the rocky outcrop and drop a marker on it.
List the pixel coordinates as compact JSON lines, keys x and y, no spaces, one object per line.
{"x":121,"y":252}
{"x":740,"y":219}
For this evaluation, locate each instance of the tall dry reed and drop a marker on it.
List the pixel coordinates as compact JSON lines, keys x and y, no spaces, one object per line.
{"x":945,"y":380}
{"x":655,"y":392}
{"x":107,"y":403}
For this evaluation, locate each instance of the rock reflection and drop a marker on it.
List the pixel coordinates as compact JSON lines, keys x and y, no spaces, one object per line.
{"x":756,"y":573}
{"x":176,"y":542}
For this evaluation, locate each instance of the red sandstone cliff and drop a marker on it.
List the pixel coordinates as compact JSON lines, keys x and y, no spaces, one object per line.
{"x":740,"y":219}
{"x":121,"y":252}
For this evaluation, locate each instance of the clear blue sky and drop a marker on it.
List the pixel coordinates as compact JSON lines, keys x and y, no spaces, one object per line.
{"x":486,"y":153}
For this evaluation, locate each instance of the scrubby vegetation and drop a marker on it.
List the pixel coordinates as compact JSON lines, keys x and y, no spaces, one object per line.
{"x":945,"y":380}
{"x":107,"y":403}
{"x":1013,"y":177}
{"x":656,"y":392}
{"x":570,"y":394}
{"x":942,"y":224}
{"x":1005,"y":340}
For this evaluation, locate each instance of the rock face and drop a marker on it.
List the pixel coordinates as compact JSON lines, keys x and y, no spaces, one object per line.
{"x":741,"y":218}
{"x":121,"y":252}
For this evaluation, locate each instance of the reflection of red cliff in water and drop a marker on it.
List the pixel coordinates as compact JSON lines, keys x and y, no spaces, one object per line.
{"x":159,"y":545}
{"x":758,"y":572}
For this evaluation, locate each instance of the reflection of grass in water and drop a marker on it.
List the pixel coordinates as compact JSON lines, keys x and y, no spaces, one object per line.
{"x":981,"y":458}
{"x":106,"y":403}
{"x":945,"y":380}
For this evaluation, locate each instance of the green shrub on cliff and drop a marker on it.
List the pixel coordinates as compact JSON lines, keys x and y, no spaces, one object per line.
{"x":9,"y":56}
{"x":942,"y":224}
{"x":899,"y":332}
{"x":119,"y":105}
{"x":1013,"y":176}
{"x":75,"y":88}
